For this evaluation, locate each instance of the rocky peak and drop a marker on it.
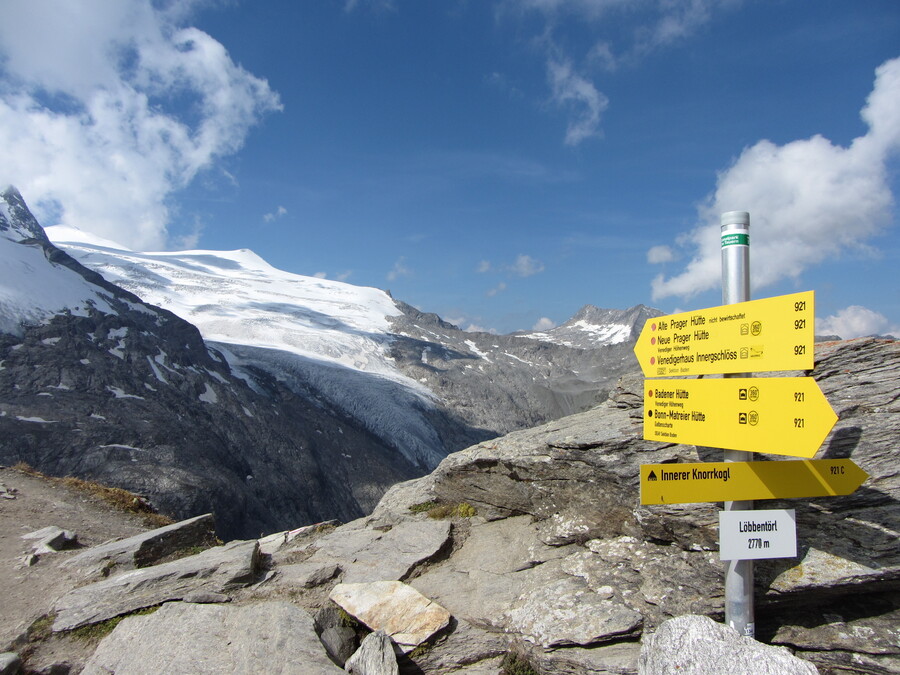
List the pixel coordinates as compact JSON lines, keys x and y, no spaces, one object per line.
{"x":16,"y":221}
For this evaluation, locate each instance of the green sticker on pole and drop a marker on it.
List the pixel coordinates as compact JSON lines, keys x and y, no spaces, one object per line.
{"x":735,"y":239}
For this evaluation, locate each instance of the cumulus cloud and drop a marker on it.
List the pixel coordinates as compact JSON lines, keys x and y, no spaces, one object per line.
{"x":580,"y":97}
{"x":107,"y":108}
{"x":660,"y":254}
{"x":277,"y":213}
{"x":526,"y":266}
{"x":544,"y":324}
{"x":809,"y":200}
{"x":856,"y":321}
{"x":484,"y":266}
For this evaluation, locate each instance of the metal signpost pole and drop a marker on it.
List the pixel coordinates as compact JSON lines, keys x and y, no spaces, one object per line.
{"x":736,"y":288}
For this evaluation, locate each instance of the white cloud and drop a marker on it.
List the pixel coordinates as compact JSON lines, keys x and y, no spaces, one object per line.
{"x":660,"y":24}
{"x":578,"y":95}
{"x":526,"y":266}
{"x":107,"y":108}
{"x":809,"y":200}
{"x":484,"y":266}
{"x":856,"y":321}
{"x":544,"y":324}
{"x":399,"y":270}
{"x":278,"y":213}
{"x":499,"y":288}
{"x":660,"y":254}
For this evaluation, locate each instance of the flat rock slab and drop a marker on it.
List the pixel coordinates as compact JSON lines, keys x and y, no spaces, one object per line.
{"x":270,"y":637}
{"x":566,"y":612}
{"x":147,"y":548}
{"x":367,"y":555}
{"x":697,"y":644}
{"x":399,"y":610}
{"x":216,"y":570}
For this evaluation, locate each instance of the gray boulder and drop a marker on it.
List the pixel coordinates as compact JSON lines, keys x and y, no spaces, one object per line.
{"x":50,"y":539}
{"x":270,"y":637}
{"x":147,"y":548}
{"x":697,"y":645}
{"x":10,"y":663}
{"x":375,"y":656}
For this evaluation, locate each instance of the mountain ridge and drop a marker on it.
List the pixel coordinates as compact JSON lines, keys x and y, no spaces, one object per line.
{"x":273,"y":399}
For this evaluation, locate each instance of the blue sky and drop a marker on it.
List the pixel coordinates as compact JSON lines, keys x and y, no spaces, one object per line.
{"x":499,"y":162}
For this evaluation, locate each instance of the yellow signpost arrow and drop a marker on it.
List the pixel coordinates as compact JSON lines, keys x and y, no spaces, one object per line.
{"x":775,"y":415}
{"x":747,"y":337}
{"x":736,"y":481}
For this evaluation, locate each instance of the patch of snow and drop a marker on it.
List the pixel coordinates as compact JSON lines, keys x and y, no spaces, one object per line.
{"x":50,"y":341}
{"x":213,"y":374}
{"x":607,"y":334}
{"x":117,"y":350}
{"x":44,"y":393}
{"x":36,"y":420}
{"x":120,"y":393}
{"x":209,"y":395}
{"x":98,"y":417}
{"x":517,"y":358}
{"x":471,"y":345}
{"x":85,"y":362}
{"x":156,"y":371}
{"x":610,"y":334}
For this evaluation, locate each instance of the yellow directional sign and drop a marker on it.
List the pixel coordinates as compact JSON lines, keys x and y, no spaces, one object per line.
{"x":776,"y":415}
{"x":747,"y":337}
{"x":738,"y":481}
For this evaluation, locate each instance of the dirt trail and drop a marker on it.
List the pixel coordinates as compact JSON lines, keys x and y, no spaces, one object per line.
{"x":27,"y":592}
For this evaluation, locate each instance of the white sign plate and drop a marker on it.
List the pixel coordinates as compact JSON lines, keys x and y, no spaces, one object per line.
{"x":754,"y":535}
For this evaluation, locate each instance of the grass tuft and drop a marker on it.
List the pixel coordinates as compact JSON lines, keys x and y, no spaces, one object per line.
{"x":115,"y":497}
{"x":516,"y":664}
{"x":94,"y":632}
{"x":440,"y":511}
{"x":40,"y":628}
{"x":423,"y":507}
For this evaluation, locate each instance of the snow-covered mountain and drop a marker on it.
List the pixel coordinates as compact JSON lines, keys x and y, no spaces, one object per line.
{"x":351,"y":345}
{"x":291,"y":392}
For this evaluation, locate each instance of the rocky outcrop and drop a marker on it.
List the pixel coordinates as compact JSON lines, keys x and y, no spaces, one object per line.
{"x":497,"y":384}
{"x":698,"y":645}
{"x":537,"y":551}
{"x":147,"y":548}
{"x":216,"y":570}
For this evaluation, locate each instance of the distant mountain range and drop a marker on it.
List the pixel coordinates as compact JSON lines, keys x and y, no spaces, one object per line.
{"x":210,"y":380}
